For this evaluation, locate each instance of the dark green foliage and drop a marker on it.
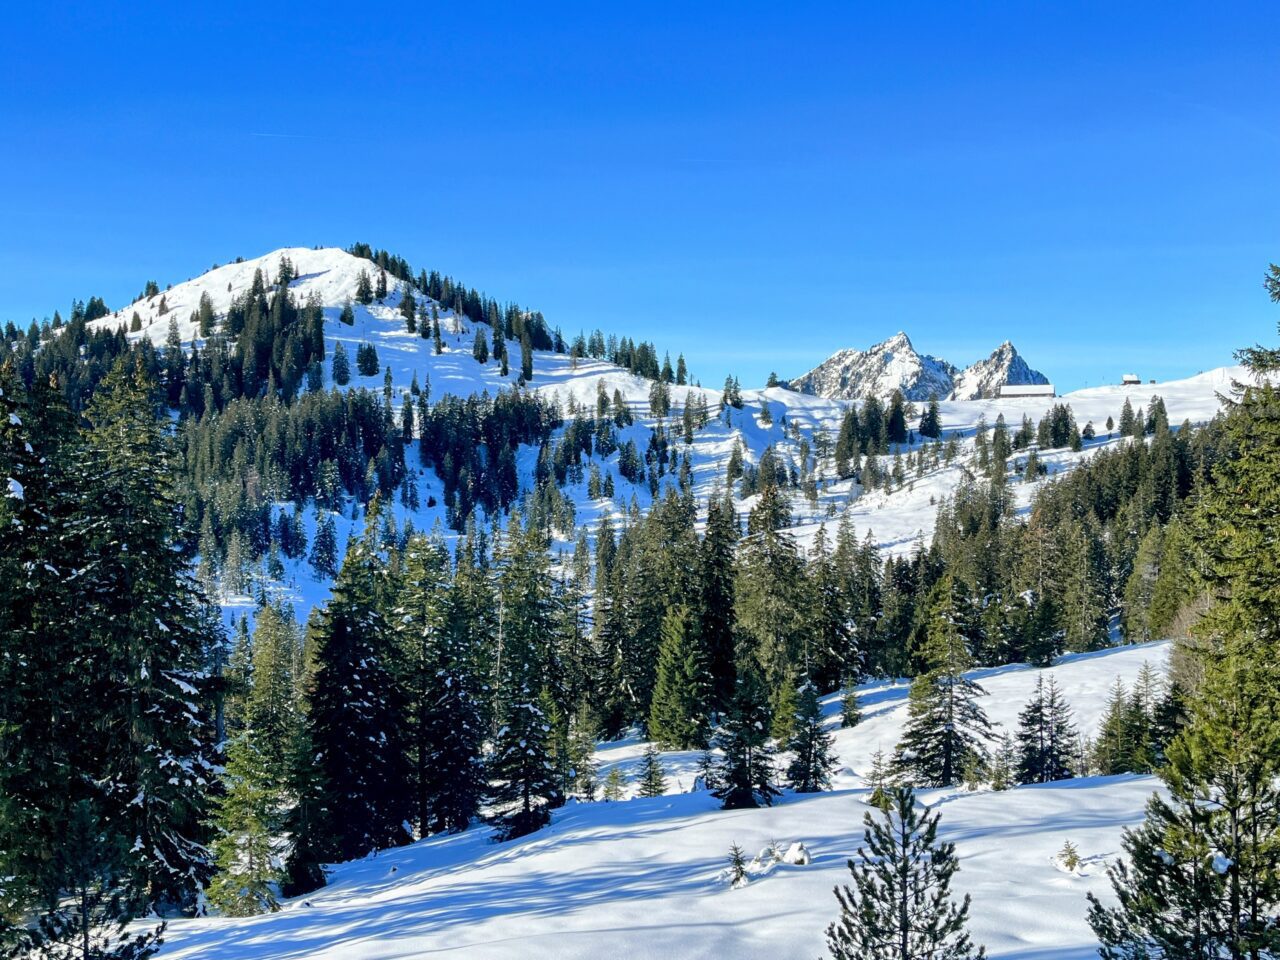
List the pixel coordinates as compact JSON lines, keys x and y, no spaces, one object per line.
{"x":946,"y":726}
{"x":810,"y":746}
{"x":678,"y":713}
{"x":745,"y":777}
{"x":91,"y":921}
{"x":367,"y":360}
{"x":900,"y":907}
{"x":1046,"y":736}
{"x":355,"y":709}
{"x":653,"y":782}
{"x":341,"y":366}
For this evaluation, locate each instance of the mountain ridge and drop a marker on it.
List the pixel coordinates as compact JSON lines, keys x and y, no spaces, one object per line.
{"x":895,"y":364}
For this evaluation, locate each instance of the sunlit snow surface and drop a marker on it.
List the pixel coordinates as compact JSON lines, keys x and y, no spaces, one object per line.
{"x":642,"y":878}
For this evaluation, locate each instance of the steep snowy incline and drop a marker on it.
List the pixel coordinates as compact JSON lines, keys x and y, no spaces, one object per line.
{"x":642,"y":878}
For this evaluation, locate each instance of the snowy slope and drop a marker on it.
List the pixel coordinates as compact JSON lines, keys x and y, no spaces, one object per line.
{"x":641,"y":878}
{"x":896,"y":521}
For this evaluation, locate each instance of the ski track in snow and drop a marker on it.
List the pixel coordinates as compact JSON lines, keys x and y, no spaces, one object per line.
{"x":640,"y":878}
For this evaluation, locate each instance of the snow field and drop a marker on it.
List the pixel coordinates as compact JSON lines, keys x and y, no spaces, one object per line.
{"x":645,"y":878}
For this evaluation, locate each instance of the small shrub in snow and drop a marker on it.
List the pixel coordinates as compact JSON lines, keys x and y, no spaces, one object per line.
{"x":737,"y":872}
{"x":1069,"y":857}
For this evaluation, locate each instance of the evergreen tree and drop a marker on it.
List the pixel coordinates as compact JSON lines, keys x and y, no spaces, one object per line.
{"x":653,"y":782}
{"x":355,"y":708}
{"x":945,"y":723}
{"x":341,"y":366}
{"x":745,"y":777}
{"x":810,"y":746}
{"x":91,"y":921}
{"x":900,"y":907}
{"x":140,"y":621}
{"x":1202,"y":878}
{"x":615,"y":782}
{"x":324,"y":549}
{"x":443,"y":730}
{"x":677,"y":715}
{"x":1045,"y":736}
{"x":523,"y":783}
{"x":250,"y":815}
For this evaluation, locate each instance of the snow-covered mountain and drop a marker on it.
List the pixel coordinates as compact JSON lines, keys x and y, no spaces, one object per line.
{"x":982,"y":380}
{"x":877,"y":371}
{"x":895,"y":364}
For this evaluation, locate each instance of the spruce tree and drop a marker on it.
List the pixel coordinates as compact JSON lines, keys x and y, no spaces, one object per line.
{"x":341,"y":365}
{"x":355,"y":708}
{"x":442,"y":721}
{"x":900,"y":906}
{"x":745,"y":777}
{"x":250,"y":815}
{"x":945,"y":723}
{"x":1045,"y":736}
{"x":523,"y":782}
{"x":810,"y":746}
{"x":146,"y":642}
{"x":653,"y":782}
{"x":1202,"y":874}
{"x":91,"y":920}
{"x":677,"y":715}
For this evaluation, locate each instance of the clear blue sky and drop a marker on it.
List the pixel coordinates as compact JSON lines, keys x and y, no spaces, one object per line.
{"x":757,"y":185}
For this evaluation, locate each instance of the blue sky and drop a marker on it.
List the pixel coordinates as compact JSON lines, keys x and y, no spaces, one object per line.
{"x":756,"y":185}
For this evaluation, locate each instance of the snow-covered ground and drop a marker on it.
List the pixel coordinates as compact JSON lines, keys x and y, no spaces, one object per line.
{"x":896,"y":521}
{"x":643,"y":878}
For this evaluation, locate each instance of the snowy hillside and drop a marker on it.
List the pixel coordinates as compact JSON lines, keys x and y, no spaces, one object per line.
{"x":641,"y":878}
{"x":896,"y":365}
{"x":896,"y":520}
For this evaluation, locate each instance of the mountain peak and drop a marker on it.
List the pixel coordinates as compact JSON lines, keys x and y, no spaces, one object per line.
{"x":894,"y":364}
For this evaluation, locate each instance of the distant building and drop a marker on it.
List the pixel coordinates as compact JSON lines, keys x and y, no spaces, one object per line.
{"x":1027,"y":390}
{"x":1130,"y":380}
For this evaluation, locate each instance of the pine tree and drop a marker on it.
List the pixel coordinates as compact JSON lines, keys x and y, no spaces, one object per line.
{"x":745,"y":776}
{"x":737,"y":867}
{"x":324,"y":549}
{"x":250,"y":815}
{"x":355,"y":708}
{"x":900,"y":906}
{"x":615,"y":782}
{"x":677,"y":717}
{"x":443,"y":729}
{"x":1202,"y":877}
{"x":1045,"y":736}
{"x":91,"y":921}
{"x":1003,"y":769}
{"x":945,"y":722}
{"x":364,"y":288}
{"x":523,"y":783}
{"x":139,"y":618}
{"x":341,"y":366}
{"x":480,"y":348}
{"x":810,"y":746}
{"x":653,"y":782}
